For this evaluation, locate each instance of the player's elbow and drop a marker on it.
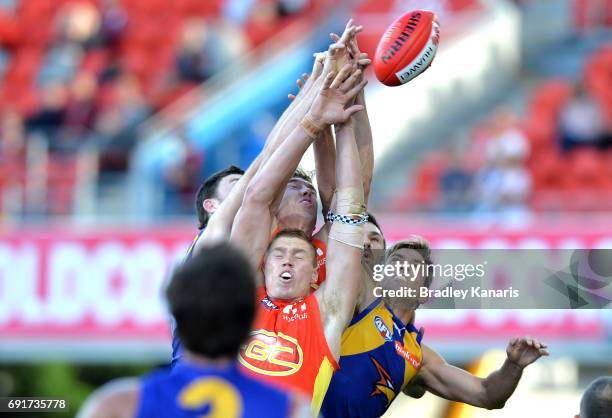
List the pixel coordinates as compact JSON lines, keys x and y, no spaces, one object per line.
{"x":491,"y":404}
{"x":256,"y":195}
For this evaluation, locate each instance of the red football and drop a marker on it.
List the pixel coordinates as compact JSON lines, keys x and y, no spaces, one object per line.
{"x":407,"y":48}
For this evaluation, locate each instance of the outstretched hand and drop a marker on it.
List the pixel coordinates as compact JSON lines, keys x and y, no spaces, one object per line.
{"x":308,"y":80}
{"x":337,"y":91}
{"x":526,"y":350}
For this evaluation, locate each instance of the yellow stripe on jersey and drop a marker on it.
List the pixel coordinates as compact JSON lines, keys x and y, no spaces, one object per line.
{"x":321,"y":385}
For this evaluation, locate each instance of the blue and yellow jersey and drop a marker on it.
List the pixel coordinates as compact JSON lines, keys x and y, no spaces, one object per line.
{"x":189,"y":252}
{"x":190,"y":391}
{"x":379,"y":355}
{"x":177,"y":349}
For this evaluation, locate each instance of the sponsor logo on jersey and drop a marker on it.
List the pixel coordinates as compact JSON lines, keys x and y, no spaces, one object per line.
{"x":295,"y":312}
{"x":384,"y":385}
{"x":410,"y":358}
{"x":271,"y":354}
{"x":382,"y":328}
{"x":268,"y":303}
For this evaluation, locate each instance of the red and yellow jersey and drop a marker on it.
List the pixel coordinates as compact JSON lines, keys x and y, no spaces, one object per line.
{"x":321,"y":249}
{"x":288,"y":347}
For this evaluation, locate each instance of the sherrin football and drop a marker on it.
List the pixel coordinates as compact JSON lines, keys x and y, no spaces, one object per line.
{"x":407,"y":48}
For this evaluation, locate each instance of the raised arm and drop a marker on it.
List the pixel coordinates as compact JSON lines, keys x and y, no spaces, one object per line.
{"x":363,"y":130}
{"x":220,"y":224}
{"x":325,"y":166}
{"x":251,"y":230}
{"x":492,"y":392}
{"x":338,"y":294}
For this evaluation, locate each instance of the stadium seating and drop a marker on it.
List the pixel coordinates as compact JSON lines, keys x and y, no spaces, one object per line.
{"x":34,"y":34}
{"x":578,"y":181}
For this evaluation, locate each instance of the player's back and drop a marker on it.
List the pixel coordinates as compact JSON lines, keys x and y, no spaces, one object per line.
{"x":190,"y":391}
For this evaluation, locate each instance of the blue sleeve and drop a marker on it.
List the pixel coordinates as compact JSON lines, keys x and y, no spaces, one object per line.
{"x":177,"y":347}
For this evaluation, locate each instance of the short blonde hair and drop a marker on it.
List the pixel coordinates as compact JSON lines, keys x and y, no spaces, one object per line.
{"x":416,"y":242}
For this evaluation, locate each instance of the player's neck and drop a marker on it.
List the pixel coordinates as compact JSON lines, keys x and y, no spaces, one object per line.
{"x":366,"y":297}
{"x":404,"y":311}
{"x":298,"y":222}
{"x":199,"y":360}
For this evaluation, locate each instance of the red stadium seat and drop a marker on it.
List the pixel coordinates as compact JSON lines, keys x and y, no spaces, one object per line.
{"x":586,"y":171}
{"x":376,"y":6}
{"x":95,"y":61}
{"x":547,"y":171}
{"x":548,"y":99}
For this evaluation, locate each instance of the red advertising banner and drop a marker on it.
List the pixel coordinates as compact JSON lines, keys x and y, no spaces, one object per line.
{"x":105,"y":284}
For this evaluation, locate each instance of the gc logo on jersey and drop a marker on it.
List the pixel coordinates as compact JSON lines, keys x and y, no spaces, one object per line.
{"x":271,"y":354}
{"x":382,"y":328}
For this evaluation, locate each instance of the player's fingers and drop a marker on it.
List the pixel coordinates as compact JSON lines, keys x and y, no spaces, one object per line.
{"x":364,"y":62}
{"x":328,"y":80}
{"x":317,"y":66}
{"x":513,"y":341}
{"x":344,"y":73}
{"x":334,"y":37}
{"x":334,"y":49}
{"x":299,"y":83}
{"x":536,"y":344}
{"x":350,"y":82}
{"x":349,"y":24}
{"x":545,"y":352}
{"x":355,"y":90}
{"x":347,"y":34}
{"x":352,"y":110}
{"x":291,"y":97}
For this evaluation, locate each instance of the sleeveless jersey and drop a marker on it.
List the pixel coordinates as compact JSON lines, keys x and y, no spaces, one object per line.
{"x":321,"y":250}
{"x":193,"y":391}
{"x":288,"y":347}
{"x":378,"y":357}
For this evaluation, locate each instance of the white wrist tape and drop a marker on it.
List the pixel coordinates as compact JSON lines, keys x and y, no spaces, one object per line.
{"x":351,"y":235}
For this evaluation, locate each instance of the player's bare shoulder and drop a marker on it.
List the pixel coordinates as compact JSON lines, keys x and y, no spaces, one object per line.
{"x":117,"y":399}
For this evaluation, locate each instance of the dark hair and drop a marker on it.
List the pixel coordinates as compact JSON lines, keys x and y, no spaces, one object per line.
{"x":294,"y":233}
{"x":300,"y":173}
{"x":208,"y":190}
{"x":373,"y":221}
{"x":597,"y":399}
{"x":421,"y":245}
{"x":212,"y":299}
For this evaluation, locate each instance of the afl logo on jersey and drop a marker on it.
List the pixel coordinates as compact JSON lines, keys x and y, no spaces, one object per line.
{"x":382,"y":328}
{"x":271,"y":354}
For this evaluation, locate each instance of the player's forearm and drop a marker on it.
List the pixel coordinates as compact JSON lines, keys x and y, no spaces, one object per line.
{"x":345,"y":243}
{"x":500,"y":385}
{"x":325,"y":165}
{"x":348,"y":167}
{"x":220,"y":224}
{"x":278,"y":169}
{"x":365,"y":145}
{"x":292,"y":117}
